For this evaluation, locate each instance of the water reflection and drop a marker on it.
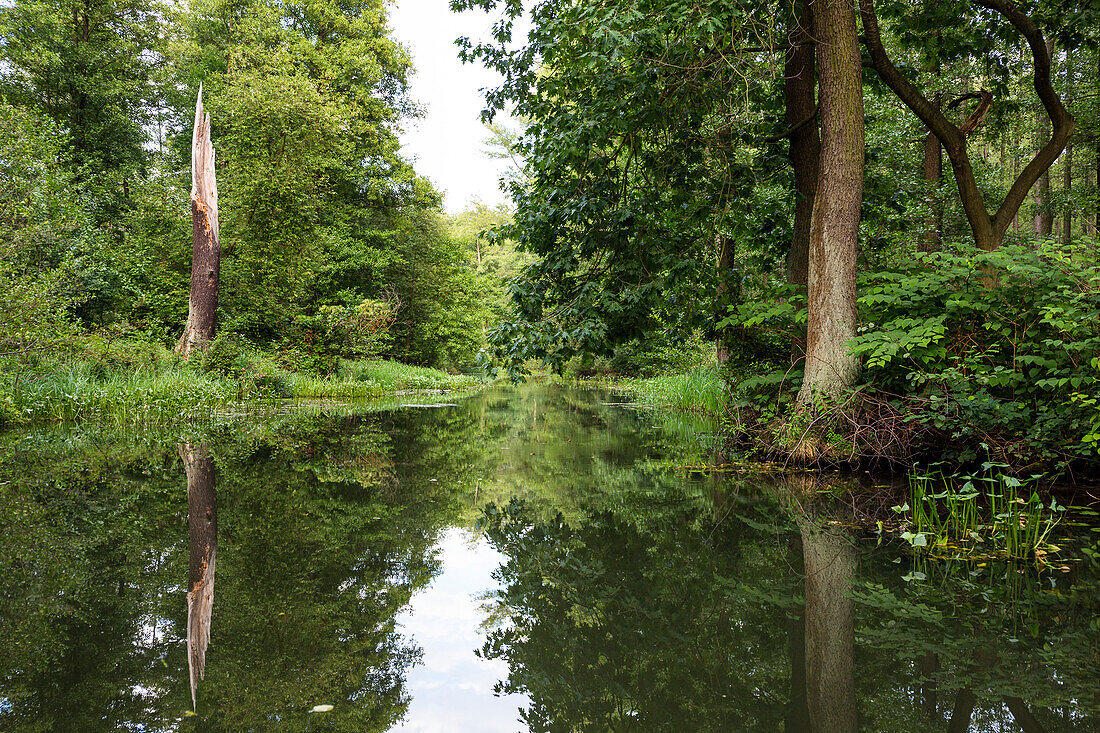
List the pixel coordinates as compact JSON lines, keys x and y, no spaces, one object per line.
{"x":829,"y":558}
{"x":633,"y":595}
{"x":776,"y":613}
{"x":202,"y":525}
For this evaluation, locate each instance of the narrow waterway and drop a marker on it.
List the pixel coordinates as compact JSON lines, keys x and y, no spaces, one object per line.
{"x":527,"y":558}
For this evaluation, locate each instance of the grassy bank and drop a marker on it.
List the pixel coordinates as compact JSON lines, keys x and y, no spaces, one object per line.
{"x":376,"y":378}
{"x":128,"y":383}
{"x":698,"y":390}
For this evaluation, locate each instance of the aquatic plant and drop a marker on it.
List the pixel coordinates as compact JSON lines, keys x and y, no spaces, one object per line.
{"x":990,"y":513}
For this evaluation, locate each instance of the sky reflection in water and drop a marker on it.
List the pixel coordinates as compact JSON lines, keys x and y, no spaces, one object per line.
{"x":348,"y":576}
{"x":452,"y":689}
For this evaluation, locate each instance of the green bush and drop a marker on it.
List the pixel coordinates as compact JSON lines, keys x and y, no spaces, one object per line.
{"x":256,"y":373}
{"x":982,"y":348}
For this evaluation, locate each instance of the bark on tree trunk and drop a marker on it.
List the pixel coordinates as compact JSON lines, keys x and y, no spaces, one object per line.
{"x":202,"y":524}
{"x":1044,"y":216}
{"x":1067,"y":173}
{"x":933,"y":168}
{"x":933,"y":175}
{"x":728,"y":294}
{"x":1043,"y":223}
{"x":834,"y":233}
{"x":804,"y":152}
{"x":202,"y":307}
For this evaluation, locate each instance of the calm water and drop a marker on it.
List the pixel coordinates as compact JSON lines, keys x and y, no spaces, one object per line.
{"x":538,"y":558}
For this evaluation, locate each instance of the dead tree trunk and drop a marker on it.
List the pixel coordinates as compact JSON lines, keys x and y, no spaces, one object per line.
{"x":834,"y":232}
{"x":202,"y":307}
{"x":202,"y":524}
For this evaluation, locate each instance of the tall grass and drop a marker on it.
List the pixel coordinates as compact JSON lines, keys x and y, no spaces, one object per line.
{"x":168,"y":390}
{"x":699,"y":390}
{"x":375,"y":378}
{"x":80,"y":391}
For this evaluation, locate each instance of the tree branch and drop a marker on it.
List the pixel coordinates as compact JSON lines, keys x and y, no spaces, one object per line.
{"x":1060,"y":119}
{"x":787,"y":133}
{"x":952,"y":138}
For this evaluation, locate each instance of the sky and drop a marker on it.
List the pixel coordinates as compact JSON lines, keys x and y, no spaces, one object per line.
{"x":447,"y":145}
{"x":452,"y":690}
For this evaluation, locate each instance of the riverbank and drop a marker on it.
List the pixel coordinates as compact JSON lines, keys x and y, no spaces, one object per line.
{"x":132,"y":381}
{"x":871,"y":430}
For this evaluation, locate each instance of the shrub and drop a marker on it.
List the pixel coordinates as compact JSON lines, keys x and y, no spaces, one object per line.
{"x":983,"y":348}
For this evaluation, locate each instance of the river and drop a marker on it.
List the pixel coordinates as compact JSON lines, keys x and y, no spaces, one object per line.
{"x":537,"y":558}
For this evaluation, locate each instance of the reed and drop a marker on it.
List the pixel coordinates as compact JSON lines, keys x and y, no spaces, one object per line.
{"x":699,"y":390}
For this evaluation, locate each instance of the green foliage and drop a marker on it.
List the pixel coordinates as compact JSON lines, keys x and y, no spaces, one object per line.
{"x":43,"y":238}
{"x":446,"y":303}
{"x":632,"y":168}
{"x":980,"y":516}
{"x":86,"y":65}
{"x":1006,"y":360}
{"x":322,"y":218}
{"x":699,"y":390}
{"x":993,"y":348}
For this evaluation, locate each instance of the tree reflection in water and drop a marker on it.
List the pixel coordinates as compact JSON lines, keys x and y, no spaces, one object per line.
{"x":202,"y":525}
{"x":661,"y":597}
{"x":776,"y":615}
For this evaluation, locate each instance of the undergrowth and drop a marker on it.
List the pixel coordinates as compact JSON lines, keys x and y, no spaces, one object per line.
{"x":124,"y":382}
{"x":952,"y":367}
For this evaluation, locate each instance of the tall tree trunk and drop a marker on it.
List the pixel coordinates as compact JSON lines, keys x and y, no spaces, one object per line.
{"x":202,"y":307}
{"x":799,"y":80}
{"x":1043,"y":225}
{"x":834,"y":232}
{"x":933,"y":168}
{"x":933,"y":176}
{"x":729,"y":293}
{"x":1067,"y":174}
{"x":1044,"y":215}
{"x":202,"y":524}
{"x":830,"y":561}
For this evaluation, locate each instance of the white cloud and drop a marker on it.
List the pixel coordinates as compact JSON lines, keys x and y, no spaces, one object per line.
{"x":447,"y":144}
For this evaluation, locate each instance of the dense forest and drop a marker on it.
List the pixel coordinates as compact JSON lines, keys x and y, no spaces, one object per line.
{"x":873,"y":228}
{"x":772,"y":177}
{"x":332,"y":245}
